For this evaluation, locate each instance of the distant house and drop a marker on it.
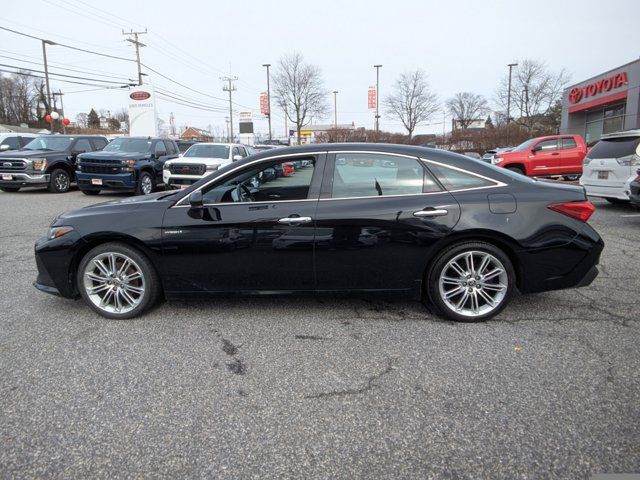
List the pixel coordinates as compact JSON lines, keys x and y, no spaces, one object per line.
{"x":477,"y":124}
{"x":309,"y":132}
{"x":197,"y":134}
{"x":23,"y":128}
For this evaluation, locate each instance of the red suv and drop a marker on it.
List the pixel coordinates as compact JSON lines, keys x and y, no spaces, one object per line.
{"x":543,"y":156}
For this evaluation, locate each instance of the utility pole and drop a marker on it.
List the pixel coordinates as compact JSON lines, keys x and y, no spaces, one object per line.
{"x":286,"y":126}
{"x":226,"y":119}
{"x":267,"y":65}
{"x":138,"y":44}
{"x":335,"y":109}
{"x":230,"y":87}
{"x":46,"y":72}
{"x":377,"y":67}
{"x":59,"y":94}
{"x":511,"y":65}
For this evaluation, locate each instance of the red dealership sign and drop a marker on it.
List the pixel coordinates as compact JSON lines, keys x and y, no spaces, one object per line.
{"x":372,"y":97}
{"x":578,"y":94}
{"x":139,"y":95}
{"x":264,"y":103}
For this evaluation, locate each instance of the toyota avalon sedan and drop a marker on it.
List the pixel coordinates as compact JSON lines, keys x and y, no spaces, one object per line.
{"x":459,"y":234}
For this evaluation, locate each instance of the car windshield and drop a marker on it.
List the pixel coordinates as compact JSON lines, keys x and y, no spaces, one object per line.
{"x":129,"y":145}
{"x":208,"y":151}
{"x":525,"y":146}
{"x":49,"y":143}
{"x":615,"y":147}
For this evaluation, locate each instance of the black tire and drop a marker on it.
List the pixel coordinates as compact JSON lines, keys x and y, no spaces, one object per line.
{"x":432,"y":287}
{"x":617,"y":201}
{"x":10,"y":189}
{"x":571,"y":178}
{"x":152,"y":285}
{"x":59,"y":181}
{"x":142,"y":179}
{"x":516,"y":169}
{"x":90,"y":192}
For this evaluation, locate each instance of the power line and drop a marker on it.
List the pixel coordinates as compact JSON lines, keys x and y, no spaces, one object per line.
{"x":64,"y":68}
{"x":24,"y":74}
{"x":63,"y":75}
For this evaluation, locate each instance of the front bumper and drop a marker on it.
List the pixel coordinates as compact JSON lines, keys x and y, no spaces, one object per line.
{"x":117,"y":181}
{"x":24,"y":179}
{"x":55,"y":264}
{"x":174,"y":182}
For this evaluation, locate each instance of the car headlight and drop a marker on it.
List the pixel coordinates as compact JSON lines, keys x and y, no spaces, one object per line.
{"x":57,"y":232}
{"x":40,"y":163}
{"x":586,"y":161}
{"x":166,"y":166}
{"x":129,"y":163}
{"x":629,"y":160}
{"x":496,"y":160}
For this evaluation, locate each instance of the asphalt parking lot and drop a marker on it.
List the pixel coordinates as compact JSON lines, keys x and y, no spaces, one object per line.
{"x":317,"y":388}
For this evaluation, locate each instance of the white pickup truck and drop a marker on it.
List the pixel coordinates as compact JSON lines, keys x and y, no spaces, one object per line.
{"x":199,"y":160}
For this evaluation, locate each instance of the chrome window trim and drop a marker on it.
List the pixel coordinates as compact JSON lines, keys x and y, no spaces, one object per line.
{"x":497,"y":183}
{"x":392,"y":154}
{"x":226,"y":174}
{"x":386,"y":196}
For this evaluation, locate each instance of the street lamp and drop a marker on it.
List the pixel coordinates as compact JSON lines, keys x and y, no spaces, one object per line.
{"x":335,"y":109}
{"x":510,"y":65}
{"x":267,"y":65}
{"x":377,"y":67}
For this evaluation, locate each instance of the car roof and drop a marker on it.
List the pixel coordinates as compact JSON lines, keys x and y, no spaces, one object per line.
{"x":625,"y":133}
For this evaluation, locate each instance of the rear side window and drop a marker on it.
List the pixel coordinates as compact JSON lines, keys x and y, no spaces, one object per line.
{"x":615,"y":147}
{"x":373,"y":175}
{"x":83,"y":145}
{"x":12,"y":142}
{"x":458,"y":180}
{"x":568,"y":142}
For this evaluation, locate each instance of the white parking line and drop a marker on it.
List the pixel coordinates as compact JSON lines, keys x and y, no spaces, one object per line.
{"x":632,"y":215}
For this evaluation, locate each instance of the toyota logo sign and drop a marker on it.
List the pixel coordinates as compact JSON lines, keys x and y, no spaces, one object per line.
{"x":139,"y":95}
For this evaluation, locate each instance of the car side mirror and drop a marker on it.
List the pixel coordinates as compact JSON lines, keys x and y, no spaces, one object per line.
{"x":78,"y":152}
{"x":160,"y":154}
{"x":4,"y":147}
{"x":195,"y":199}
{"x":535,"y":149}
{"x":237,"y":157}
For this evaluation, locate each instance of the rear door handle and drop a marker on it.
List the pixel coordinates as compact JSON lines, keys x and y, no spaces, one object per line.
{"x":292,"y":220}
{"x":432,"y":212}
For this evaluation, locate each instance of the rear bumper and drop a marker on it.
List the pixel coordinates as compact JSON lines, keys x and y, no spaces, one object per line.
{"x":24,"y":179}
{"x":118,"y":181}
{"x":604,"y":191}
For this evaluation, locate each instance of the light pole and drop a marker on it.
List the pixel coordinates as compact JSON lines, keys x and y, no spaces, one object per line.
{"x":267,"y":65}
{"x":335,"y":109}
{"x":511,"y":65}
{"x":377,"y":67}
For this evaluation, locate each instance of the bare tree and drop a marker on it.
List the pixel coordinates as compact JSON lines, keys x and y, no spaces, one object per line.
{"x":534,"y":91}
{"x":412,"y":102}
{"x":299,"y":90}
{"x":19,"y":98}
{"x":467,"y":107}
{"x":122,"y":116}
{"x":82,"y":120}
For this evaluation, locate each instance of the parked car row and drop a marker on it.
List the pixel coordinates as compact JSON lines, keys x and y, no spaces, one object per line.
{"x":132,"y":164}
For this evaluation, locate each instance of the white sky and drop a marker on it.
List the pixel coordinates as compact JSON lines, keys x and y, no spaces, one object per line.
{"x":462,"y":45}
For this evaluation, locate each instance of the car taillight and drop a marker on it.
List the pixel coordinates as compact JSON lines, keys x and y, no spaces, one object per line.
{"x":578,"y":210}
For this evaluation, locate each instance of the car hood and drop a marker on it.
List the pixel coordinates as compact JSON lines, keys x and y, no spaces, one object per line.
{"x":209,"y":161}
{"x":30,"y":153}
{"x":113,"y":156}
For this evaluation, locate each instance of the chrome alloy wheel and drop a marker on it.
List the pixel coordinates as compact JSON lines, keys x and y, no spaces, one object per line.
{"x":473,"y":283}
{"x":62,"y":182}
{"x":114,"y":282}
{"x":147,"y":185}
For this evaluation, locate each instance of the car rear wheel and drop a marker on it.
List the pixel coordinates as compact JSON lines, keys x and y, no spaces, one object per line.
{"x":91,"y":192}
{"x":471,"y":281}
{"x":145,"y":184}
{"x":59,"y":181}
{"x":117,"y":281}
{"x":9,"y":189}
{"x":617,"y":201}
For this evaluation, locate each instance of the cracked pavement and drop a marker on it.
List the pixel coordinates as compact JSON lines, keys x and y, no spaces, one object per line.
{"x":317,"y":388}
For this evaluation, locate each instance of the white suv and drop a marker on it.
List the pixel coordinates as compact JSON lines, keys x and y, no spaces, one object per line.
{"x":200,"y":160}
{"x":610,"y":165}
{"x":15,"y":141}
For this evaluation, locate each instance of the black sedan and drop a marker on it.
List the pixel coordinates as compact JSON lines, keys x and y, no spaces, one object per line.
{"x":457,"y":233}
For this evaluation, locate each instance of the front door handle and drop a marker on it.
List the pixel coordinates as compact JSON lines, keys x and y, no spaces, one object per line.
{"x":432,"y":212}
{"x":292,"y":220}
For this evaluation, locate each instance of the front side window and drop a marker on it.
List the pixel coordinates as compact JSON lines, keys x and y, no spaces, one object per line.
{"x":171,"y":149}
{"x":160,"y":148}
{"x":99,"y":143}
{"x":280,"y":181}
{"x":83,"y":145}
{"x":129,"y":145}
{"x":547,"y":145}
{"x":372,"y":175}
{"x":453,"y":179}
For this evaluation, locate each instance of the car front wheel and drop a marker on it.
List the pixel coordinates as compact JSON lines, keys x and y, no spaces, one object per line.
{"x":145,"y":184}
{"x":59,"y":181}
{"x":117,"y":281}
{"x":471,"y":281}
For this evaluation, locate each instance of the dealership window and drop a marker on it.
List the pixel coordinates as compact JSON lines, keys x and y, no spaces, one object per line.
{"x":608,"y":120}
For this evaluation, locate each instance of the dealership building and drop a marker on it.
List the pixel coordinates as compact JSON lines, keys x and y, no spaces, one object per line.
{"x":606,"y":103}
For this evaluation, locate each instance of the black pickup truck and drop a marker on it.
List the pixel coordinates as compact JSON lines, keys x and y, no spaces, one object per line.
{"x":46,"y":161}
